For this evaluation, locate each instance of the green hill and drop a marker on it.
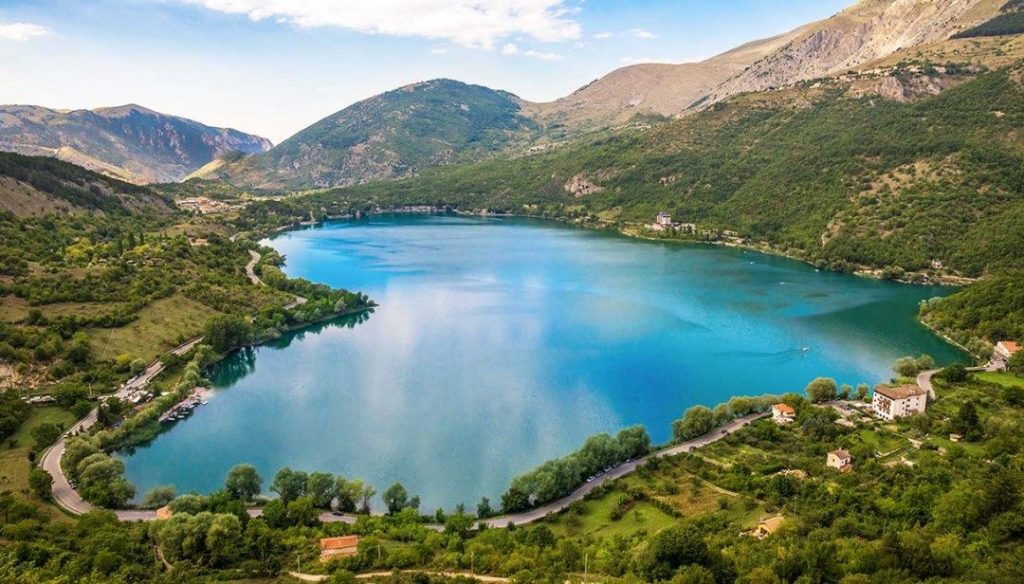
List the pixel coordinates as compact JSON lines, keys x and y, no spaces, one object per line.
{"x":813,"y":171}
{"x":394,"y":134}
{"x":39,"y":185}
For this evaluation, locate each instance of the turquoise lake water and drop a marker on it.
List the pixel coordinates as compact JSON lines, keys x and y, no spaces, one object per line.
{"x":501,"y":343}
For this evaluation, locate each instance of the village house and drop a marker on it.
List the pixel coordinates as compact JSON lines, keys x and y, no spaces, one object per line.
{"x":338,"y":547}
{"x":664,"y":219}
{"x":839,"y":460}
{"x":767,"y":527}
{"x":783,"y":413}
{"x":1003,"y":351}
{"x":890,"y":403}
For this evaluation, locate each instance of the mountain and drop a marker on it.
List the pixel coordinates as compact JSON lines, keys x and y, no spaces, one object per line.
{"x":40,"y":185}
{"x":867,"y":31}
{"x":129,"y":142}
{"x":833,"y":172}
{"x":650,"y":88}
{"x":392,"y":135}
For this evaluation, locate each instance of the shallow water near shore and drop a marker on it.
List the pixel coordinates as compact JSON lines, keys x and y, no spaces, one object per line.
{"x":500,"y":343}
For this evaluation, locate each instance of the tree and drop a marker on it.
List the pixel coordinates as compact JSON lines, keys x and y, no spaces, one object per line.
{"x":243,"y":482}
{"x":223,"y":538}
{"x":46,"y":434}
{"x":672,"y":548}
{"x":347,"y":494}
{"x":697,"y":421}
{"x":634,"y":441}
{"x":822,"y":389}
{"x":289,"y":484}
{"x":227,"y":332}
{"x":1016,"y":363}
{"x":911,"y":366}
{"x":396,"y":498}
{"x":302,"y":512}
{"x":158,"y":497}
{"x":862,"y":391}
{"x":845,"y":391}
{"x":40,"y":482}
{"x":967,"y":422}
{"x":483,"y":508}
{"x":321,"y":487}
{"x":955,"y":373}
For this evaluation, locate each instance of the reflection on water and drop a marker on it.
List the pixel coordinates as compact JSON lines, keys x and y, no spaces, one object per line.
{"x":499,"y":344}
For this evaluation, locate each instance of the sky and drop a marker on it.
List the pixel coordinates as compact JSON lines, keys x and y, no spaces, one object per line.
{"x":273,"y":67}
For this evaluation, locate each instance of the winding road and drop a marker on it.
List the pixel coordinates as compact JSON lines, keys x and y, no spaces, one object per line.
{"x":63,"y":494}
{"x":250,"y":271}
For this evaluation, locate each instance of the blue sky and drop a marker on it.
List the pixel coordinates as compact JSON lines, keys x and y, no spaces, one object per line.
{"x":273,"y":67}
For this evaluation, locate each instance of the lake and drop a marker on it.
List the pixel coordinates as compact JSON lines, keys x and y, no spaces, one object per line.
{"x":500,"y":343}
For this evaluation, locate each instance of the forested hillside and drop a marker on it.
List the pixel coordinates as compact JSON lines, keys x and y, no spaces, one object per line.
{"x":391,"y":135}
{"x":37,"y":185}
{"x":813,"y":171}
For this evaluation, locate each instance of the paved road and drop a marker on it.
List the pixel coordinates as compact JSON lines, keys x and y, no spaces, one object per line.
{"x":254,"y":258}
{"x":619,"y":472}
{"x":69,"y":499}
{"x":63,"y":494}
{"x":924,"y":379}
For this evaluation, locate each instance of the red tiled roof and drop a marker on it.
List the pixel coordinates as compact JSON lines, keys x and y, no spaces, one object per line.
{"x":784,"y":408}
{"x":840,"y":454}
{"x":1010,"y":346}
{"x":339,"y":543}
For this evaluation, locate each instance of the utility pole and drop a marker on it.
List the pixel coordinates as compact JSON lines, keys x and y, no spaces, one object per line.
{"x":586,"y":558}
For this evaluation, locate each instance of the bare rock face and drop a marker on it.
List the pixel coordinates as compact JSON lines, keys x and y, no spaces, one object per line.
{"x":867,"y":31}
{"x":128,"y":142}
{"x":580,"y":186}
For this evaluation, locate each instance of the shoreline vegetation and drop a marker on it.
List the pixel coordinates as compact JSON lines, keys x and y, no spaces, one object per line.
{"x":224,"y":335}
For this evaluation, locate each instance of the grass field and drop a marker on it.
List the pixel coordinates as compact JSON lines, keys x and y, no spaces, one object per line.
{"x":14,"y":309}
{"x":160,"y":326}
{"x":1003,"y":379}
{"x":14,"y":464}
{"x":594,"y":519}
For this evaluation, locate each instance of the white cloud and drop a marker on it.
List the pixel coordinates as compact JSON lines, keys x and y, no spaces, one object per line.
{"x":471,"y":23}
{"x":640,"y":33}
{"x":603,"y":35}
{"x":509,"y":49}
{"x":21,"y":31}
{"x":543,"y":56}
{"x":439,"y":51}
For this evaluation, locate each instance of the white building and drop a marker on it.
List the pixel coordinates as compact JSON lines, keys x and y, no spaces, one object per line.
{"x":664,"y":219}
{"x":783,"y":413}
{"x":898,"y":402}
{"x":1004,"y":350}
{"x":839,"y":460}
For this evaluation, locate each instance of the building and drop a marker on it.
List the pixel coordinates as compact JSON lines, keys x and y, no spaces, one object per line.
{"x":664,"y":219}
{"x":1003,"y":351}
{"x":897,"y":402}
{"x":338,"y":547}
{"x":767,"y":527}
{"x":839,"y":460}
{"x":783,"y":413}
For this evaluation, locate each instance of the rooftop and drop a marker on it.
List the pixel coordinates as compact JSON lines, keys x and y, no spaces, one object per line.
{"x":1010,"y":346}
{"x":784,"y":408}
{"x":840,"y":454}
{"x":901,"y":392}
{"x":338,"y":543}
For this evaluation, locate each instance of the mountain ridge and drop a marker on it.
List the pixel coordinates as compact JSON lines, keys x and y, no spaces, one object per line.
{"x":129,"y":142}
